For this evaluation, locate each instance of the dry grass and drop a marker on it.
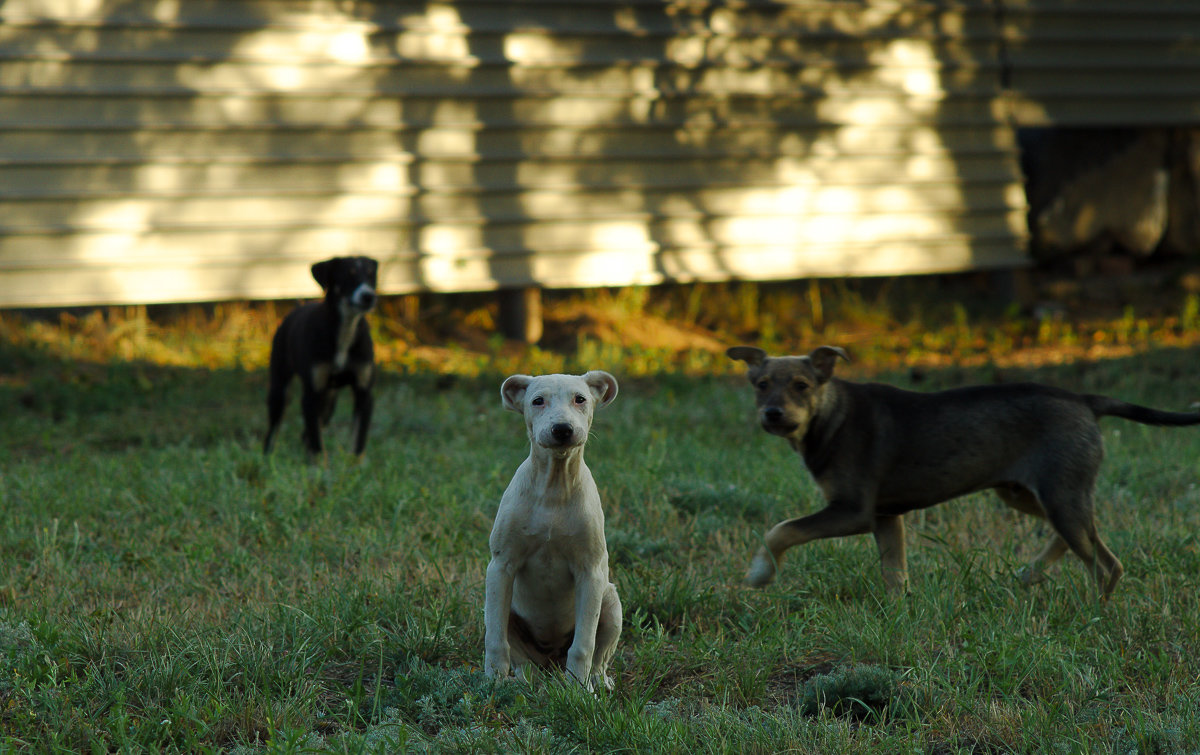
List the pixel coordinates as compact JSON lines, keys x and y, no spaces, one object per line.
{"x":887,"y":325}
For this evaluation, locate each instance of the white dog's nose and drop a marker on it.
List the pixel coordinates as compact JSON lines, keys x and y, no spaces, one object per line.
{"x":562,"y":432}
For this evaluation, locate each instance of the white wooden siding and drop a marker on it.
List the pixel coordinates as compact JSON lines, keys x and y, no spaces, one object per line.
{"x":155,"y":150}
{"x":1112,"y":63}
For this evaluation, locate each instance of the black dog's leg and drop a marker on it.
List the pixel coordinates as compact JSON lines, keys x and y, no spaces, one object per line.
{"x":276,"y":403}
{"x":328,"y":406}
{"x":363,"y":406}
{"x":312,"y":403}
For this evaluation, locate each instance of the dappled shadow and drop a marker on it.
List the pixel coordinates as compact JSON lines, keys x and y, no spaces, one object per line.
{"x":865,"y":140}
{"x":213,"y":150}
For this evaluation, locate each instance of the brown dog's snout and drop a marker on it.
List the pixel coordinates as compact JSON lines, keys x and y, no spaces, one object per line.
{"x":777,"y":421}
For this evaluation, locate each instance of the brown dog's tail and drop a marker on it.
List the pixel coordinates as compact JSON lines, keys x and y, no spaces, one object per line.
{"x":1103,"y":406}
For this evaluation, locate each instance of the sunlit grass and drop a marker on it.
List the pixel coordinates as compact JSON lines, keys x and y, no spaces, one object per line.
{"x":641,"y":331}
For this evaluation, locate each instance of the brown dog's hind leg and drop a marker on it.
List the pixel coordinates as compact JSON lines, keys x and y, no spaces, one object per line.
{"x":1108,"y":568}
{"x":1024,"y":500}
{"x":893,"y":560}
{"x":1036,"y":570}
{"x":1072,"y":519}
{"x":1099,"y":561}
{"x":1115,"y":572}
{"x":833,"y":521}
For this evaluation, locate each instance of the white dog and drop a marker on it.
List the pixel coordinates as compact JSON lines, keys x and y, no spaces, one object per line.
{"x":549,"y":600}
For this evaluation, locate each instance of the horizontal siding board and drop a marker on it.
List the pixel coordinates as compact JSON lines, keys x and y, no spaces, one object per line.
{"x":842,"y":212}
{"x":604,"y":18}
{"x":403,"y":178}
{"x":1102,"y":63}
{"x":266,"y":276}
{"x":494,"y":82}
{"x":29,"y":143}
{"x":337,"y":38}
{"x":289,"y":278}
{"x":1110,"y":84}
{"x":173,"y":183}
{"x":301,"y":110}
{"x":45,"y":147}
{"x":214,"y":149}
{"x":1123,"y":112}
{"x":415,"y":206}
{"x":263,"y":251}
{"x":1135,"y":55}
{"x":82,"y":252}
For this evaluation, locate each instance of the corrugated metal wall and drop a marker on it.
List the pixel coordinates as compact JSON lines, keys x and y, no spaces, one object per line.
{"x":160,"y":150}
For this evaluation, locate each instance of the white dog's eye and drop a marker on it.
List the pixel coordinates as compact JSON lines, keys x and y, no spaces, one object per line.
{"x":579,"y":399}
{"x":538,"y":401}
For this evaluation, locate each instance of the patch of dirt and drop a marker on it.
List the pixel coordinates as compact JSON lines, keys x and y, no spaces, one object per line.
{"x":784,"y":684}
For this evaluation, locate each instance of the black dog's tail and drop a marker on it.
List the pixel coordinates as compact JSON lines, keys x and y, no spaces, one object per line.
{"x":1103,"y":406}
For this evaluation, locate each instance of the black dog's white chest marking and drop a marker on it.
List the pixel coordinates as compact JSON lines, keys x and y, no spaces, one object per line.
{"x":345,"y":339}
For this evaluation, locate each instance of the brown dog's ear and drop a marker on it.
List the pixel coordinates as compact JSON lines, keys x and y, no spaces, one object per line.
{"x":751,"y":355}
{"x":603,"y":385}
{"x":320,"y":273}
{"x":824,"y":358}
{"x":512,"y":392}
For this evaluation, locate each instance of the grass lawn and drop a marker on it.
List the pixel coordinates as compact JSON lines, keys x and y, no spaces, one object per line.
{"x":165,"y":587}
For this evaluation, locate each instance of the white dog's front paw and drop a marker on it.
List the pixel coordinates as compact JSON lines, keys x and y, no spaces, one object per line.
{"x":496,"y":666}
{"x":581,"y":671}
{"x":497,"y":672}
{"x":762,"y":569}
{"x":602,"y":680}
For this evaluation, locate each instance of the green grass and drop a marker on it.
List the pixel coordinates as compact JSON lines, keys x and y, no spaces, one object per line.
{"x":163,"y":587}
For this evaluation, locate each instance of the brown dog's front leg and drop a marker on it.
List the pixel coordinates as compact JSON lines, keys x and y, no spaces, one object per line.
{"x":837,"y":520}
{"x":889,"y":538}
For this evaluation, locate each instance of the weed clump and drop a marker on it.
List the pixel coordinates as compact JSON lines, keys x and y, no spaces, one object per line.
{"x":436,"y":698}
{"x":858,"y":692}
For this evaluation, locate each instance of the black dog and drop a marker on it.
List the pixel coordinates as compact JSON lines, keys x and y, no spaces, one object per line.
{"x":328,"y":345}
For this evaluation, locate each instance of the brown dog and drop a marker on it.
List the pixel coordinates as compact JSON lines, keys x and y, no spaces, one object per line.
{"x":878,"y":452}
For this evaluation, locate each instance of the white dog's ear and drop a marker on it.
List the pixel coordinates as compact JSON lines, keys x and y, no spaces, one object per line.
{"x":603,"y":385}
{"x":512,"y":392}
{"x":751,"y":355}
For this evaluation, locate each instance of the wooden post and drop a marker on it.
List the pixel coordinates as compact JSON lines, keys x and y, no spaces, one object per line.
{"x":410,"y":310}
{"x":521,"y":314}
{"x":814,"y":302}
{"x":1014,"y":284}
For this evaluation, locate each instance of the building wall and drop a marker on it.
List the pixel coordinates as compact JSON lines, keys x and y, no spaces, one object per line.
{"x":1102,"y":63}
{"x":158,"y":150}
